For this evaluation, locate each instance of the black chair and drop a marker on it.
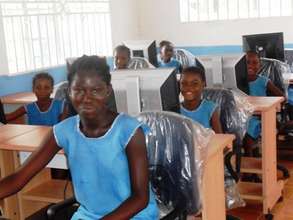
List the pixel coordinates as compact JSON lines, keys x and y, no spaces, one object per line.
{"x":233,"y":121}
{"x":174,"y":174}
{"x":2,"y":115}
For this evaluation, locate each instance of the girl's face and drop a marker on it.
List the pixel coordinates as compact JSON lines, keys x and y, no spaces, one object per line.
{"x":89,"y":94}
{"x":191,"y":86}
{"x":121,"y":59}
{"x":253,"y":65}
{"x":167,"y":53}
{"x":43,"y":89}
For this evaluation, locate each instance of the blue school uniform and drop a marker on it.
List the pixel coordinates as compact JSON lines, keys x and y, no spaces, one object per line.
{"x":99,"y":167}
{"x":202,"y":114}
{"x":49,"y":117}
{"x":257,"y":87}
{"x":172,"y":63}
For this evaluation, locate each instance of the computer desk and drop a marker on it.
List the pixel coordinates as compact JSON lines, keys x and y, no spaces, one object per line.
{"x":42,"y":190}
{"x":270,"y":190}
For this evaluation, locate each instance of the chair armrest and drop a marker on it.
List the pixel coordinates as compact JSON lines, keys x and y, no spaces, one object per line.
{"x":54,"y":209}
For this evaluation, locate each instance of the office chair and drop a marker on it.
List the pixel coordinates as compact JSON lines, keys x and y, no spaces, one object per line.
{"x":175,"y":148}
{"x":184,"y":57}
{"x":139,"y":63}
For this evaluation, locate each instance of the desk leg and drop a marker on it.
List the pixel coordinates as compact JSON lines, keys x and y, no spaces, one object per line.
{"x":10,"y":204}
{"x":213,"y":189}
{"x":271,"y":187}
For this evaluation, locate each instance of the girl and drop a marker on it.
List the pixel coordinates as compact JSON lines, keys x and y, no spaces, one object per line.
{"x":192,"y":83}
{"x":45,"y":111}
{"x":258,"y":86}
{"x":106,"y":152}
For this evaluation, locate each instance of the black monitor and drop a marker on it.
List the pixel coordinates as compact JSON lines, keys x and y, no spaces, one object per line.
{"x":146,"y":90}
{"x":143,"y":48}
{"x":269,"y":45}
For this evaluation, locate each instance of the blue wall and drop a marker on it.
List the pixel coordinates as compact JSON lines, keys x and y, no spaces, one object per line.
{"x":23,"y":82}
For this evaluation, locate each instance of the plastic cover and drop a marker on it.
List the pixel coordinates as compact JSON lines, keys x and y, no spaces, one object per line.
{"x":177,"y":148}
{"x":235,"y":112}
{"x":274,"y":69}
{"x":139,"y":63}
{"x":184,"y":57}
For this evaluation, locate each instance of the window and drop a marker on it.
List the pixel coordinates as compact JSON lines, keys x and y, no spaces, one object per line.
{"x":42,"y":33}
{"x":208,"y":10}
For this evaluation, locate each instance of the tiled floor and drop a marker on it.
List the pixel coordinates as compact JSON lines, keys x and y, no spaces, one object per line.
{"x":283,"y":210}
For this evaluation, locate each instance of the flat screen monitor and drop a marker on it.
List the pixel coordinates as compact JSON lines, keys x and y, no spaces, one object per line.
{"x":145,"y":90}
{"x":269,"y":45}
{"x":143,"y":48}
{"x":213,"y":69}
{"x":235,"y":72}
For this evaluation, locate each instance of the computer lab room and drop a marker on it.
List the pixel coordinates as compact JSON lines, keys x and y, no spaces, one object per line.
{"x":146,"y":110}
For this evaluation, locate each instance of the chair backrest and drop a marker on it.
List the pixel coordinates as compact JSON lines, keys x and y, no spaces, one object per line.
{"x":2,"y":115}
{"x":274,"y":69}
{"x":139,"y":63}
{"x":184,"y":57}
{"x":175,"y":147}
{"x":233,"y":115}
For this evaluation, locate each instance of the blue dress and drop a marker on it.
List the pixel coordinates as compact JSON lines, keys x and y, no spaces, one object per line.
{"x":99,"y":167}
{"x":257,"y":87}
{"x":172,"y":63}
{"x":49,"y":117}
{"x":202,"y":114}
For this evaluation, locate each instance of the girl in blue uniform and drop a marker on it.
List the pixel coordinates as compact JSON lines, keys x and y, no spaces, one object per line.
{"x":166,"y":56}
{"x":106,"y":152}
{"x":192,"y":83}
{"x":45,"y":111}
{"x":258,"y":86}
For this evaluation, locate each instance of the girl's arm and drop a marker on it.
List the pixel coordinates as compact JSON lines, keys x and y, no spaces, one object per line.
{"x":34,"y":164}
{"x":138,"y":167}
{"x":273,"y":89}
{"x":216,"y":123}
{"x":15,"y":114}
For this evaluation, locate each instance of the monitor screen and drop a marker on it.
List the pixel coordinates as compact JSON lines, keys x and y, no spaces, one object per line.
{"x":143,"y":48}
{"x":145,"y":90}
{"x":269,"y":45}
{"x":235,"y":72}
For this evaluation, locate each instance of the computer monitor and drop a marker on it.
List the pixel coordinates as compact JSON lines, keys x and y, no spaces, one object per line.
{"x":143,"y":48}
{"x":213,"y":69}
{"x":146,"y":90}
{"x":269,"y":45}
{"x":235,"y":72}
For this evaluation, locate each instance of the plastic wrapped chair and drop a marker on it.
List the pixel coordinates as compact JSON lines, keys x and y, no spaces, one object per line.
{"x":139,"y":63}
{"x":176,"y":151}
{"x":234,"y":114}
{"x":274,"y":69}
{"x":184,"y":57}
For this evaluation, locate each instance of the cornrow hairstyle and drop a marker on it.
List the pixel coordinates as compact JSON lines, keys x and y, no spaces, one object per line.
{"x":95,"y":64}
{"x":195,"y":70}
{"x":43,"y":75}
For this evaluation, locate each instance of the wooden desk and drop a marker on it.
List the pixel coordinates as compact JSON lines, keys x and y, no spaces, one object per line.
{"x":42,"y":189}
{"x":19,"y":98}
{"x":270,"y":190}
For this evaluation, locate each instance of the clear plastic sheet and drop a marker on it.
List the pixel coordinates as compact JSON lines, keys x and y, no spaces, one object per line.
{"x":184,"y":57}
{"x":177,"y":149}
{"x":274,"y":70}
{"x":233,"y":198}
{"x":61,"y":91}
{"x":139,"y":63}
{"x":235,"y":112}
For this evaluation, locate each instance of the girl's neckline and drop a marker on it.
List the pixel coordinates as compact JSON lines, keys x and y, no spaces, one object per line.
{"x":100,"y":137}
{"x":51,"y":104}
{"x":195,"y":109}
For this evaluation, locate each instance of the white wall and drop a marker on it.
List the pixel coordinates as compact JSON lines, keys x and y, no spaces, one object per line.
{"x":160,"y":19}
{"x":124,"y":20}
